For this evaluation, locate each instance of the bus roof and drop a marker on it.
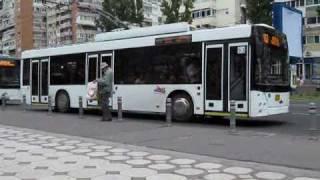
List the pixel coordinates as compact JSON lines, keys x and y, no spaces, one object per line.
{"x":7,"y":57}
{"x":234,"y":32}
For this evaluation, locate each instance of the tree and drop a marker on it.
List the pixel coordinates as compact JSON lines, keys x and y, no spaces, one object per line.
{"x":127,"y":11}
{"x":171,"y":9}
{"x":259,"y":11}
{"x":187,"y":15}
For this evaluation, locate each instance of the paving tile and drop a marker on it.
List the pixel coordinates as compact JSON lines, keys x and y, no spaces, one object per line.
{"x":112,"y":177}
{"x":34,"y":173}
{"x":270,"y":175}
{"x":166,"y":177}
{"x":87,"y":173}
{"x":138,"y":173}
{"x":162,"y":168}
{"x":208,"y":166}
{"x":190,"y":172}
{"x":60,"y":177}
{"x":26,"y":156}
{"x":116,"y":168}
{"x":220,"y":176}
{"x":238,"y":170}
{"x":183,"y":161}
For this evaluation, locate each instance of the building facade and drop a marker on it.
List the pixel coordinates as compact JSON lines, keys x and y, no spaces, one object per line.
{"x":217,"y":13}
{"x":22,"y":26}
{"x":71,"y":22}
{"x":152,"y":12}
{"x":311,"y":36}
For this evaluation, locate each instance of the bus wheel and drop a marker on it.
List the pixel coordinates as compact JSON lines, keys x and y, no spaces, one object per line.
{"x":182,"y":107}
{"x":63,"y":102}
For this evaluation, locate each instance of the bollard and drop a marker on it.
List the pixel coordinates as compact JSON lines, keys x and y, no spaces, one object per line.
{"x":80,"y":107}
{"x":24,"y":102}
{"x":313,"y":121}
{"x":3,"y":101}
{"x":233,"y":123}
{"x":49,"y":105}
{"x":169,"y":112}
{"x":119,"y":109}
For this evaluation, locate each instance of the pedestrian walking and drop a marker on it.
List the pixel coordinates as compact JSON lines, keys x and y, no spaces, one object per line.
{"x":105,"y":91}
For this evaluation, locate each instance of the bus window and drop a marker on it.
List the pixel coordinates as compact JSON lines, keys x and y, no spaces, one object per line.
{"x":170,"y":64}
{"x":26,"y":72}
{"x":10,"y":75}
{"x":67,"y":69}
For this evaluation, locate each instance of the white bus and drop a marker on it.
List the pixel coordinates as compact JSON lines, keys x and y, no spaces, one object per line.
{"x":10,"y":78}
{"x":201,"y":70}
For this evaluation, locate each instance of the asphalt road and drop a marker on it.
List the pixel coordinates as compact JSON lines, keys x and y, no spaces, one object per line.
{"x":281,"y":140}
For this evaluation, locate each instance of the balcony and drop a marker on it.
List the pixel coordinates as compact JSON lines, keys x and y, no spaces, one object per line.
{"x":86,"y":21}
{"x":311,"y":22}
{"x":9,"y":45}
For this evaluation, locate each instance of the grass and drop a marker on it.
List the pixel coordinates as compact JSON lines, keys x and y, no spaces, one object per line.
{"x":309,"y":96}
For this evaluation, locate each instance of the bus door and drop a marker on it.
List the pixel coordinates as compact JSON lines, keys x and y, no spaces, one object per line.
{"x":92,"y":72}
{"x":214,"y":78}
{"x":238,"y":76}
{"x":106,"y":58}
{"x":40,"y":81}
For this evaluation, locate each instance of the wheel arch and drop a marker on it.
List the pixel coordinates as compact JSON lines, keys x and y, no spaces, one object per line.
{"x":61,"y":91}
{"x":175,"y":92}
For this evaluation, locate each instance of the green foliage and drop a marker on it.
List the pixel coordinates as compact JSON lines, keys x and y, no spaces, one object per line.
{"x":259,"y":11}
{"x":170,"y":9}
{"x":129,"y":11}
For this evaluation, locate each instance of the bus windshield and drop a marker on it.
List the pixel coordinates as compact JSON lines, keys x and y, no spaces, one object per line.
{"x":271,"y":65}
{"x":9,"y":74}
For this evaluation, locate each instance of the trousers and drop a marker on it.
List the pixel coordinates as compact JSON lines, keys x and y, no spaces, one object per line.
{"x":104,"y":103}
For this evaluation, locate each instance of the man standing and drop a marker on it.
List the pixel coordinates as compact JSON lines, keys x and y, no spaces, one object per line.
{"x":105,"y":91}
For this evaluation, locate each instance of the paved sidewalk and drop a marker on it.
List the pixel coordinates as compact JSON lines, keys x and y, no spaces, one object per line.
{"x":34,"y":155}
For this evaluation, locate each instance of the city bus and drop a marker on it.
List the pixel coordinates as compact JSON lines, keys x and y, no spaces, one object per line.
{"x":202,"y":71}
{"x":10,"y":78}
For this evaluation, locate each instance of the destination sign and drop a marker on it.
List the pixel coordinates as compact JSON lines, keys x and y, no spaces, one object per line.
{"x":7,"y":63}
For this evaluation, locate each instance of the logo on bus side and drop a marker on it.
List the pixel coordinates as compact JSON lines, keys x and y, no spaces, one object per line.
{"x":160,"y":90}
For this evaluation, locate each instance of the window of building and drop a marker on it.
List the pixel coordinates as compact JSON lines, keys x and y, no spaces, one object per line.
{"x":310,"y":39}
{"x":171,"y":64}
{"x":67,"y":69}
{"x":311,"y":20}
{"x":316,"y":39}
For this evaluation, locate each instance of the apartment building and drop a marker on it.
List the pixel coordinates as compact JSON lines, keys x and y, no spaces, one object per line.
{"x":28,"y":24}
{"x":311,"y":39}
{"x":152,"y":12}
{"x":70,"y":21}
{"x":75,"y":23}
{"x":22,"y":26}
{"x":7,"y":27}
{"x":217,"y":13}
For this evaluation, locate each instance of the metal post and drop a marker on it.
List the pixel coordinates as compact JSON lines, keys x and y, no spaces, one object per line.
{"x":313,"y":121}
{"x":3,"y":101}
{"x":49,"y":105}
{"x":169,"y":112}
{"x":232,"y":117}
{"x":24,"y":102}
{"x":120,"y":117}
{"x":80,"y":107}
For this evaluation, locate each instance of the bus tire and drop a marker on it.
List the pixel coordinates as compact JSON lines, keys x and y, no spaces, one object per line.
{"x":182,"y":107}
{"x":63,"y":102}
